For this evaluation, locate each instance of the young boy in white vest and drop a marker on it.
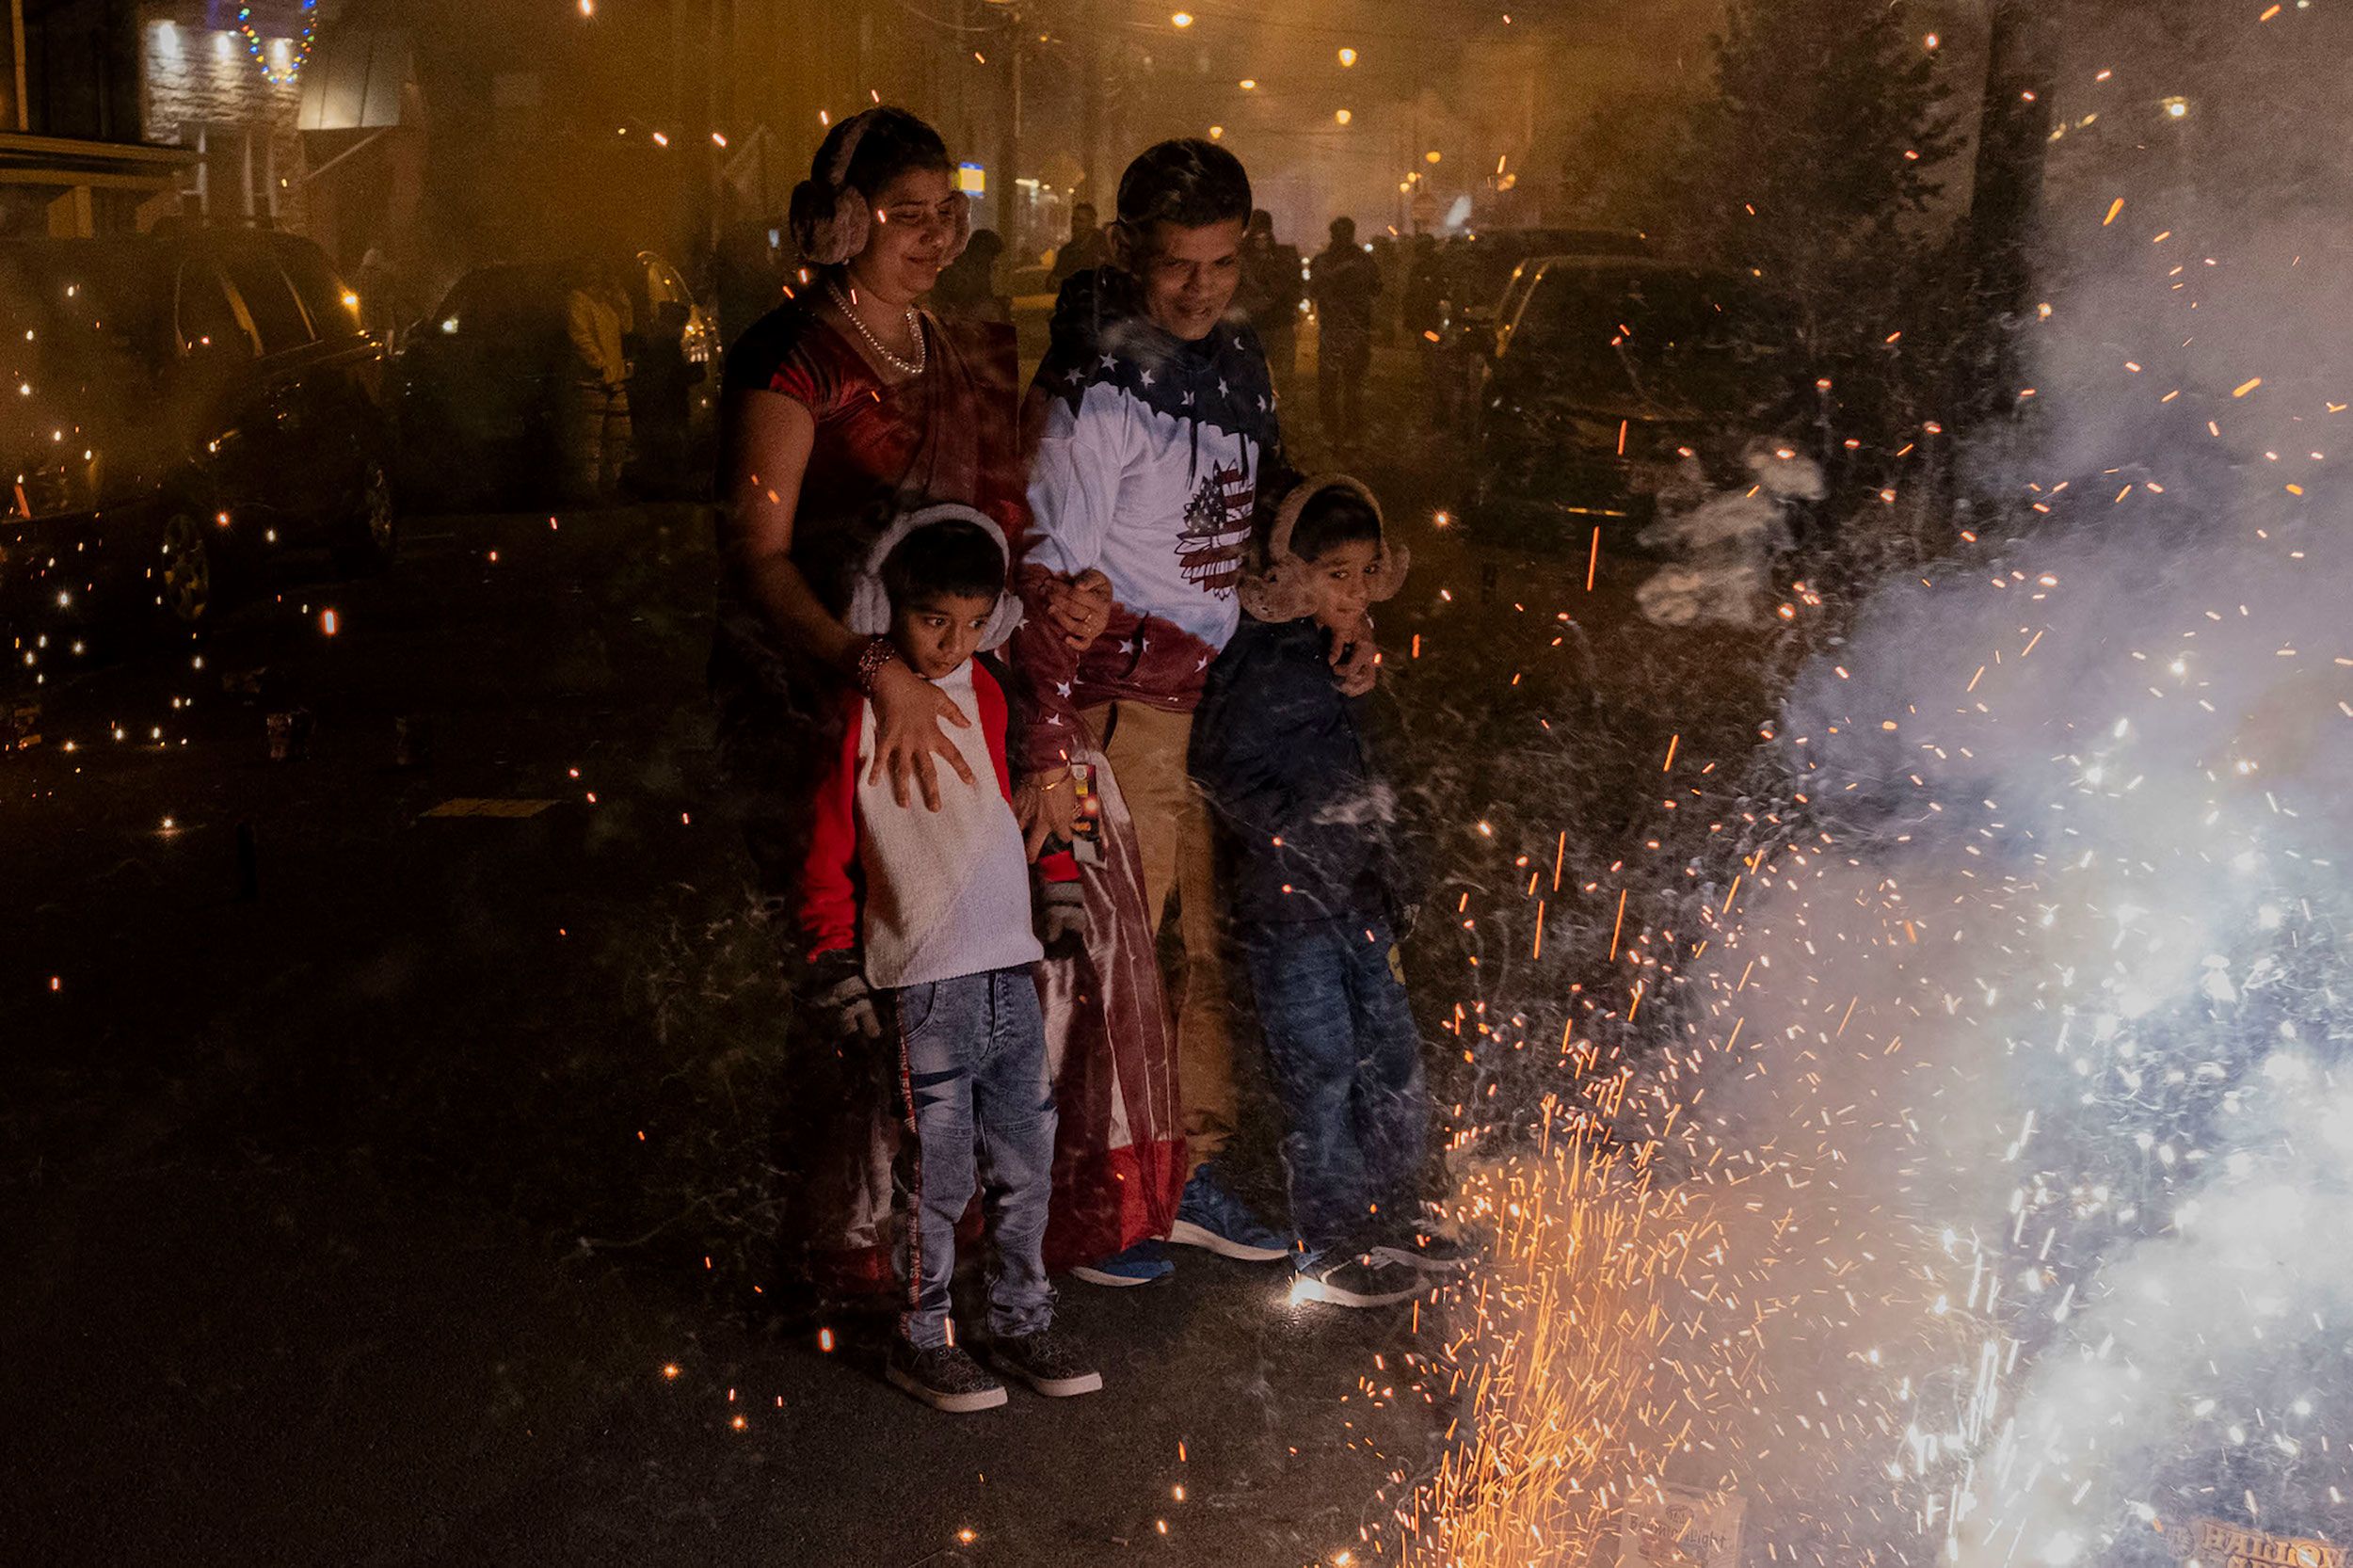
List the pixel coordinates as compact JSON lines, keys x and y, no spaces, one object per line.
{"x":923,"y":927}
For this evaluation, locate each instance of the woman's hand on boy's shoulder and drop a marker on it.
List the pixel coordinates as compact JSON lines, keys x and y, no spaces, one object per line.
{"x":909,"y":742}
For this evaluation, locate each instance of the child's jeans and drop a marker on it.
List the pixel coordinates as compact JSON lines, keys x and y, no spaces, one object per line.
{"x":1346,"y":1061}
{"x":972,"y":1075}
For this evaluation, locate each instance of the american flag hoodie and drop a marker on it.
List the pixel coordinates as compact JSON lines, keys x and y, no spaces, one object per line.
{"x":1151,"y":458}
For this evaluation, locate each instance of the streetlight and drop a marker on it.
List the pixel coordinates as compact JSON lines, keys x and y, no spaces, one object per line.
{"x":1249,"y":84}
{"x":1433,"y":155}
{"x":1217,"y":133}
{"x":1343,"y":115}
{"x":1347,"y":57}
{"x":1180,"y":19}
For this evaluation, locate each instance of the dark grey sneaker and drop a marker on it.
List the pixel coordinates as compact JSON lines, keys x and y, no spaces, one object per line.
{"x":945,"y":1378}
{"x":1359,"y":1279}
{"x":1421,"y":1247}
{"x":1047,"y":1362}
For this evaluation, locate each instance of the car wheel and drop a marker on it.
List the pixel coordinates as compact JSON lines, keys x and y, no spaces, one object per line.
{"x":183,"y":575}
{"x":372,"y":535}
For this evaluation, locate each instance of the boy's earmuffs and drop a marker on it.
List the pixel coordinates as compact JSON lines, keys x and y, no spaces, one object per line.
{"x":832,"y":220}
{"x":1273,"y":582}
{"x":869,"y":602}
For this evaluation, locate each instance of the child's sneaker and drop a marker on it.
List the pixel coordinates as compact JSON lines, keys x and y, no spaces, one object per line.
{"x":1358,"y":1279}
{"x":1420,"y":1246}
{"x":1047,"y":1362}
{"x":1209,"y":1216}
{"x":944,"y":1377}
{"x":1141,"y":1264}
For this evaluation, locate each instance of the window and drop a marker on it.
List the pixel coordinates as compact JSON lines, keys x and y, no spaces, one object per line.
{"x":269,"y":299}
{"x":334,"y":310}
{"x":206,"y":319}
{"x":235,"y":173}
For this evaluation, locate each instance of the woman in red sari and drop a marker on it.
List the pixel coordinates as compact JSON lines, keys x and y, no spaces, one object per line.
{"x":844,"y":406}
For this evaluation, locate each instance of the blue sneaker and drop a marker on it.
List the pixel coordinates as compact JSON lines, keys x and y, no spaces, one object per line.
{"x":1141,"y":1264}
{"x":1209,"y":1216}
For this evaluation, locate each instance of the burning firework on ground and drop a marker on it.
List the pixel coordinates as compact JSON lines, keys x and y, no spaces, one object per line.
{"x":1988,"y":1209}
{"x":1598,"y":1268}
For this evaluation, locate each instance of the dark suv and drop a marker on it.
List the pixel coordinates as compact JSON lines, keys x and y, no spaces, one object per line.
{"x":177,"y":406}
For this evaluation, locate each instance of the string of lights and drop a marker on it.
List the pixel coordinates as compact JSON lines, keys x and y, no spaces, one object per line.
{"x":280,"y":72}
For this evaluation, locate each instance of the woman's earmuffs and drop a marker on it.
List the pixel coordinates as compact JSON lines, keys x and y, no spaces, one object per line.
{"x":832,"y":220}
{"x":830,"y":217}
{"x":1273,"y":586}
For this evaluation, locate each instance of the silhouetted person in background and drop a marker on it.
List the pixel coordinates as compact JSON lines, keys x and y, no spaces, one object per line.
{"x":1085,"y":250}
{"x":1272,"y":288}
{"x":750,"y":274}
{"x":967,"y":289}
{"x":1425,"y":320}
{"x":661,"y":402}
{"x":597,"y":321}
{"x":1344,"y":286}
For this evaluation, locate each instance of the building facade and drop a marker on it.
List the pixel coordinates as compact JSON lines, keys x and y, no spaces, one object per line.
{"x":228,"y":88}
{"x":74,"y":156}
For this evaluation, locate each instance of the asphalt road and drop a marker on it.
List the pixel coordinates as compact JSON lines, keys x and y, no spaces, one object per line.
{"x":385,"y":1131}
{"x":361,"y":1187}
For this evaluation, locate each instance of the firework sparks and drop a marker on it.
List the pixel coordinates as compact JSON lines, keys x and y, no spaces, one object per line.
{"x":1974,"y":1198}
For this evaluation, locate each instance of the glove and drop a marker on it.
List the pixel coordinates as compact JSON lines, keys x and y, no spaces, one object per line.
{"x":1064,"y":912}
{"x":844,"y":996}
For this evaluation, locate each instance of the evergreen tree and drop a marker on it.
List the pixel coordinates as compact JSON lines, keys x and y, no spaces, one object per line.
{"x":1825,"y":140}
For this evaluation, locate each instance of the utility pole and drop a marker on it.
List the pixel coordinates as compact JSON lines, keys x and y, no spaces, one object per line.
{"x":2014,"y":137}
{"x":1089,"y":13}
{"x":1009,"y":135}
{"x":20,"y":110}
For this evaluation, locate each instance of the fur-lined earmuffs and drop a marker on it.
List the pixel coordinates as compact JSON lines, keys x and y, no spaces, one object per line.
{"x":832,"y":220}
{"x":1274,"y":582}
{"x":869,"y":602}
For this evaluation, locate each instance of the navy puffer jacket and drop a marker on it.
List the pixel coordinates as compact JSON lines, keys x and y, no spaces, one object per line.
{"x":1309,"y":826}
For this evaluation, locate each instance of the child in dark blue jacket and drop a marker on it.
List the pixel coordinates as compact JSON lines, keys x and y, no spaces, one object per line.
{"x":1320,"y":872}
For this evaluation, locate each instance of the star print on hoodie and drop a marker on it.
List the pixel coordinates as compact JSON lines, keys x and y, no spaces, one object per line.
{"x":1153,"y":457}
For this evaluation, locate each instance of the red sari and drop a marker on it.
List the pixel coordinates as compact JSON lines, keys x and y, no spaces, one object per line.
{"x":1119,"y":1144}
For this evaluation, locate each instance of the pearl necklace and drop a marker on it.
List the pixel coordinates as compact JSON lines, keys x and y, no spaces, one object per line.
{"x":915,"y":330}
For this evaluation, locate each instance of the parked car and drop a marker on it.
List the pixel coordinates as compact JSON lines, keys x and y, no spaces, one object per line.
{"x":487,"y":387}
{"x":179,"y":405}
{"x":1457,"y":292}
{"x":1481,"y":271}
{"x":1617,"y":379}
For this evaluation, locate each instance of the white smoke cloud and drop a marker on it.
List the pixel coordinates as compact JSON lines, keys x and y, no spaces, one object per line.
{"x":1722,"y":547}
{"x":2043,"y":1038}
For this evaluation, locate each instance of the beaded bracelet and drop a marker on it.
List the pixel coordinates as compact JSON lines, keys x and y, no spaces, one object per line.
{"x":870,"y":659}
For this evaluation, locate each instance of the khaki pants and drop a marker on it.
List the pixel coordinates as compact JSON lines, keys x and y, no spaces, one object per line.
{"x":1146,"y":752}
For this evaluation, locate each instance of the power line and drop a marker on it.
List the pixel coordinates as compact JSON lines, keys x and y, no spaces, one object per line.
{"x":1421,"y":36}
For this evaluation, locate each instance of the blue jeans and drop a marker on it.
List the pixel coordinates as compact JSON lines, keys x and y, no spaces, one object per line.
{"x":972,"y":1080}
{"x":1346,"y":1061}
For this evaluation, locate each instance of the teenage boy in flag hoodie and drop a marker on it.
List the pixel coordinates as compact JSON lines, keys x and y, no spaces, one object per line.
{"x":1155,"y":442}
